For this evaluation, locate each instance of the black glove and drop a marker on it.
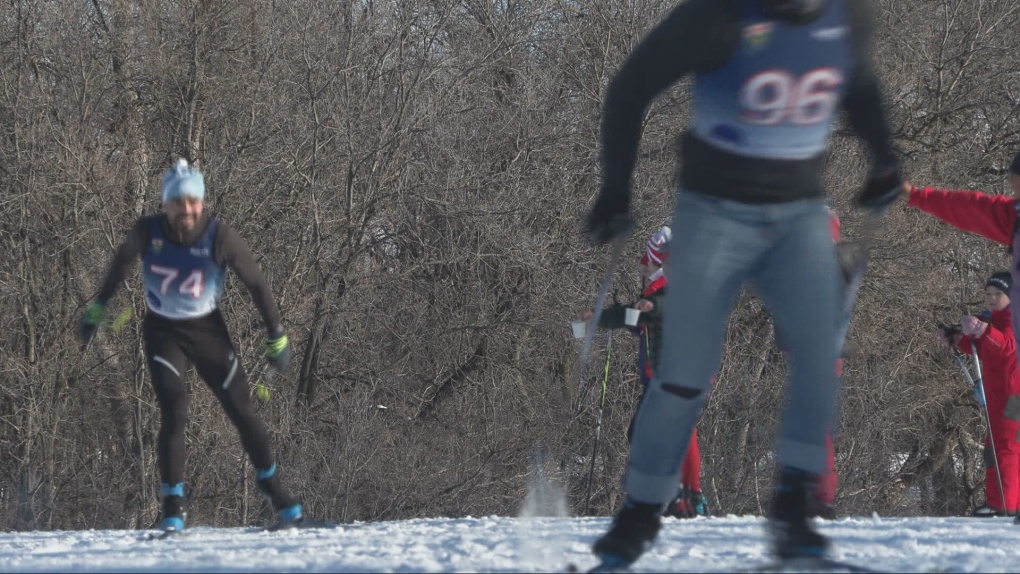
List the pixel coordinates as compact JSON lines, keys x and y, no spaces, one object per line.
{"x":609,"y":218}
{"x":881,"y":190}
{"x":278,"y":353}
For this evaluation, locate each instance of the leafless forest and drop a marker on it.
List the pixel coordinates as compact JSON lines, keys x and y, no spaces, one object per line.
{"x":412,"y":176}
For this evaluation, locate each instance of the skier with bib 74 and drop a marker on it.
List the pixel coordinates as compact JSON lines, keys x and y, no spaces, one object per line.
{"x":185,"y":255}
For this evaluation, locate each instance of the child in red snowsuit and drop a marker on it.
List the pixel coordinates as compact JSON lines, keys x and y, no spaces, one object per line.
{"x":991,"y":333}
{"x":994,"y":217}
{"x":689,"y":502}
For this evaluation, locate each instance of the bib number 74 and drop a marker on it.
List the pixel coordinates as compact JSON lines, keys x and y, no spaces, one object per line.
{"x":192,"y":284}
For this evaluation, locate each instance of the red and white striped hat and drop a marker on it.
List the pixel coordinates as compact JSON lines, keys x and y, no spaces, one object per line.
{"x":657,"y":247}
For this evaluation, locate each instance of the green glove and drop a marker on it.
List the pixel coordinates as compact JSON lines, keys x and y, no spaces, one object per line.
{"x":278,"y":353}
{"x":93,"y":316}
{"x":122,"y":319}
{"x":262,"y":391}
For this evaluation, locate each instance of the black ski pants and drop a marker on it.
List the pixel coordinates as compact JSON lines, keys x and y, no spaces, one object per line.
{"x":170,"y":345}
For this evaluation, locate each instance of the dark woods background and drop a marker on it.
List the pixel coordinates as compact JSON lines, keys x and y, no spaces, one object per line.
{"x":411,"y":175}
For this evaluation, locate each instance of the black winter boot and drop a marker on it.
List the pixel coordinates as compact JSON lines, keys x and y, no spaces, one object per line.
{"x":634,"y":530}
{"x":789,"y":526}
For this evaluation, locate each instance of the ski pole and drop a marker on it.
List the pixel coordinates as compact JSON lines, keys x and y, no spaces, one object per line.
{"x":854,"y":255}
{"x":988,"y":421}
{"x":598,"y":420}
{"x":593,"y":323}
{"x":966,"y":372}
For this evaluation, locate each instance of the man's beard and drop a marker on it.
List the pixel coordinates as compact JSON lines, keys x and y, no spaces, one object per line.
{"x":185,"y":223}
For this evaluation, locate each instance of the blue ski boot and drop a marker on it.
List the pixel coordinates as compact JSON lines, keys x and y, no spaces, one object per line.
{"x":789,"y":525}
{"x":173,"y":507}
{"x":699,"y":503}
{"x":287,"y":507}
{"x":634,"y":530}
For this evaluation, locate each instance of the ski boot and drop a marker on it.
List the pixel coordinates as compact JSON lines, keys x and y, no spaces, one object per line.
{"x":986,"y":511}
{"x":679,"y":508}
{"x":632,"y":534}
{"x":689,"y":503}
{"x":287,"y":507}
{"x":699,"y":503}
{"x":173,"y":507}
{"x":789,"y":527}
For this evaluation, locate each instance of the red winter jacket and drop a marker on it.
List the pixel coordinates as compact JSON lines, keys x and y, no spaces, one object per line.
{"x":991,"y":216}
{"x":996,"y":348}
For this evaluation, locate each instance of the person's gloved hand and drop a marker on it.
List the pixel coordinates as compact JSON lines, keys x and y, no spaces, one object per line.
{"x":609,"y":218}
{"x":90,"y":321}
{"x":880,"y":191}
{"x":278,"y":353}
{"x":973,"y":326}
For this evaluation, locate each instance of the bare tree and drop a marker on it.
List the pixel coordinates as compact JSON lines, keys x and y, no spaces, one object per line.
{"x":412,"y":177}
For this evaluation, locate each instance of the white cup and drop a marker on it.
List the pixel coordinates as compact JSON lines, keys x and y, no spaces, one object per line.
{"x":578,"y":328}
{"x":632,"y":317}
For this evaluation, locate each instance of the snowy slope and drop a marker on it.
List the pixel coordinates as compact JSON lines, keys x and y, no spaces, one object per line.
{"x":498,"y":544}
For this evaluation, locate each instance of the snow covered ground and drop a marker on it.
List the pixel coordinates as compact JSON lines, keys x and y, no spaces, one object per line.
{"x":501,"y":544}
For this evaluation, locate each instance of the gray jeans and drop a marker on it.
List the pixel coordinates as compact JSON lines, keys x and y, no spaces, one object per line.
{"x":786,"y":251}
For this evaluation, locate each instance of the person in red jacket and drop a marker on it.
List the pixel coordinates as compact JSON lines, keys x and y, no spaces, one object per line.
{"x":991,"y":333}
{"x":689,"y":502}
{"x":991,"y":216}
{"x":994,"y":217}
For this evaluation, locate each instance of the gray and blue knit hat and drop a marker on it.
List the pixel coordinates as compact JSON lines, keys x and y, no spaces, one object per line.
{"x":182,"y":180}
{"x":1002,"y":281}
